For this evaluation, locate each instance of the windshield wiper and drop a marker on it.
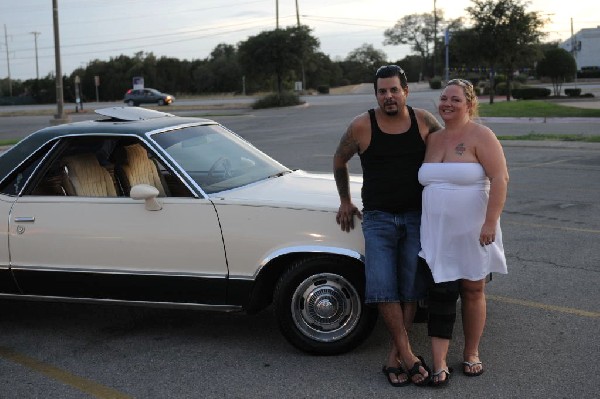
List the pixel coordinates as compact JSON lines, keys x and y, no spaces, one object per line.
{"x":279,"y":174}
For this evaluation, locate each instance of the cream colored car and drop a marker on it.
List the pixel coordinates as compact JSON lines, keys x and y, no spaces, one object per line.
{"x":143,"y":207}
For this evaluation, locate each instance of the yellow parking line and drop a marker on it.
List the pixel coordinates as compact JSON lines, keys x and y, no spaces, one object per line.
{"x":82,"y":384}
{"x":562,"y":309}
{"x":549,"y":226}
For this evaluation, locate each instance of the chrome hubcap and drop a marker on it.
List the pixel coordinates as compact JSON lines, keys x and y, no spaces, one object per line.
{"x":326,"y":307}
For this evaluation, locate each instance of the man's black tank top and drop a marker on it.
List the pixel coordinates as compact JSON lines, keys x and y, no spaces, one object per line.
{"x":390,"y":167}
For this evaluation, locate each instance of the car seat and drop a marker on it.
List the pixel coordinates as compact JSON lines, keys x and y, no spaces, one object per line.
{"x":84,"y":177}
{"x":134,"y":167}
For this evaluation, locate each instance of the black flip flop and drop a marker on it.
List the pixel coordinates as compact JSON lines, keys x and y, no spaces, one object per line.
{"x":395,"y":370}
{"x":414,"y":370}
{"x":470,"y":366}
{"x":438,"y":383}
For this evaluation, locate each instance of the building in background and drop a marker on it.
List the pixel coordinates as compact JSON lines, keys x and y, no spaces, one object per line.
{"x":585,"y":47}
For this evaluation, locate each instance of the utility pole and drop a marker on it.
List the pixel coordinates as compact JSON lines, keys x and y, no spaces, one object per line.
{"x":276,"y":14}
{"x":37,"y":69}
{"x":7,"y":62}
{"x":434,"y":36}
{"x":574,"y":50}
{"x":447,"y":44}
{"x":60,"y":117}
{"x":302,"y":55}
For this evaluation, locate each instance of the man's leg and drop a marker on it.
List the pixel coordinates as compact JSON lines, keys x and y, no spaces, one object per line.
{"x":393,"y":317}
{"x":409,"y":310}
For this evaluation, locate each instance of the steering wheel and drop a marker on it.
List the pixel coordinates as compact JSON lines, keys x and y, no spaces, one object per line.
{"x":225,"y":163}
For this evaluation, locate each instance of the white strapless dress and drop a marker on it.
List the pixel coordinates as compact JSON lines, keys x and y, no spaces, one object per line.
{"x":455,"y":200}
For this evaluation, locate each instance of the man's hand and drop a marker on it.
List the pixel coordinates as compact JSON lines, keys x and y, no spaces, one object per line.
{"x":345,"y":216}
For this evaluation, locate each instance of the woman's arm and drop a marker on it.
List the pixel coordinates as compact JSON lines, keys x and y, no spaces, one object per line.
{"x":491,"y":156}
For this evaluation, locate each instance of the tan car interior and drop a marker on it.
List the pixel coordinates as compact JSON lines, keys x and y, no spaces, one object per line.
{"x":105,"y":172}
{"x":134,"y":167}
{"x":85,"y":177}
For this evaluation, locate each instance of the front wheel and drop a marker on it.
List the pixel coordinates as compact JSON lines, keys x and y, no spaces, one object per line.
{"x":319,"y":306}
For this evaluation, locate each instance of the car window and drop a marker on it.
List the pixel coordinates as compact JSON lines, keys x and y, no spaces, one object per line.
{"x":217,"y":159}
{"x":103,"y":167}
{"x":16,"y":181}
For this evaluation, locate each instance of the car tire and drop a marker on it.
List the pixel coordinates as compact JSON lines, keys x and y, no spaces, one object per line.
{"x":319,"y":306}
{"x":131,"y":103}
{"x":161,"y":102}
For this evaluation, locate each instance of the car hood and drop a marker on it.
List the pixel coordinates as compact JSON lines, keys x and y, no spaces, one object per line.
{"x":299,"y":189}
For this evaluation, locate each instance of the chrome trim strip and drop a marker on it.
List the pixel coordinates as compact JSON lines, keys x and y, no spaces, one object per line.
{"x":174,"y":305}
{"x":316,"y":249}
{"x":16,"y":268}
{"x":24,"y":219}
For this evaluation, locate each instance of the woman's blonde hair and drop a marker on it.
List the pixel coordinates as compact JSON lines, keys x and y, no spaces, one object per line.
{"x":470,"y":95}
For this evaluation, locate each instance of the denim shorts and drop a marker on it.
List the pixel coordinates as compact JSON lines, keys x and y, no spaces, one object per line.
{"x":393,"y":269}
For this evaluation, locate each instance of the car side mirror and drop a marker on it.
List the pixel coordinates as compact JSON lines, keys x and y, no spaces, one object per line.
{"x":147,"y":193}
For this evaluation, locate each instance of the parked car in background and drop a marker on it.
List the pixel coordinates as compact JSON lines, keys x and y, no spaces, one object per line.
{"x":135,"y":97}
{"x":147,"y":208}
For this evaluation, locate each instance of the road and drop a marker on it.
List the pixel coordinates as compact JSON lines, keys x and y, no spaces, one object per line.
{"x":19,"y":121}
{"x":543,"y":317}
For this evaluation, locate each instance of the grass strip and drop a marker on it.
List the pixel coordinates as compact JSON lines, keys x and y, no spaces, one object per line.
{"x":534,"y":108}
{"x":553,"y":137}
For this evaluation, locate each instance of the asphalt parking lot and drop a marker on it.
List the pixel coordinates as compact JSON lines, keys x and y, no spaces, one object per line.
{"x":543,"y":317}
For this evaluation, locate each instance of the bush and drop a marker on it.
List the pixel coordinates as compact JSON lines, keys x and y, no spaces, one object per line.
{"x":589,"y":72}
{"x":573,"y":92}
{"x":501,"y":88}
{"x":499,"y":78}
{"x":323,"y":89}
{"x":529,"y":93}
{"x":435,"y":83}
{"x":273,"y":100}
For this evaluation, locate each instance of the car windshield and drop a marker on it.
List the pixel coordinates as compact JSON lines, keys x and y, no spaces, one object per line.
{"x":217,"y":159}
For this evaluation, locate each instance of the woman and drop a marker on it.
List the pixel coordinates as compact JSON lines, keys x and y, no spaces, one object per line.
{"x":465,"y":179}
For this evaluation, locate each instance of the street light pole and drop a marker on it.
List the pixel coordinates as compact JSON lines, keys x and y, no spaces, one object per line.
{"x":7,"y":62}
{"x":302,"y":55}
{"x":37,"y":69}
{"x":434,"y":36}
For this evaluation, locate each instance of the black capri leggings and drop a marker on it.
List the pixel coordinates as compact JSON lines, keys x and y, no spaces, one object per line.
{"x":442,"y":308}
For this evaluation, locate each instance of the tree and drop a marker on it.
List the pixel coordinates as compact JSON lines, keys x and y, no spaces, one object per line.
{"x":416,"y":30}
{"x":362,"y":62}
{"x":221,"y":72}
{"x":506,"y":34}
{"x":277,"y":52}
{"x":559,"y":65}
{"x":320,"y":70}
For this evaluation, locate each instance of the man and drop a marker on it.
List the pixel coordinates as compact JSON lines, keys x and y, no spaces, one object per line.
{"x":390,"y":141}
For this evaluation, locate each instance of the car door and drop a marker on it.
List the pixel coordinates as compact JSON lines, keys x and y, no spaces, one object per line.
{"x":7,"y":285}
{"x":107,"y":246}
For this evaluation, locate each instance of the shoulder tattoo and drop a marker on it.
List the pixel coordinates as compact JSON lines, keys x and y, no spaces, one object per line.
{"x":431,"y":122}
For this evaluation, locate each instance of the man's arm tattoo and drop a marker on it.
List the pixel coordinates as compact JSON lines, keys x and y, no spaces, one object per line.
{"x":431,"y":122}
{"x":342,"y":182}
{"x":347,"y":147}
{"x":346,"y":150}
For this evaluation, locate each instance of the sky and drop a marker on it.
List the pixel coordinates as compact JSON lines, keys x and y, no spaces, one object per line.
{"x":190,"y":29}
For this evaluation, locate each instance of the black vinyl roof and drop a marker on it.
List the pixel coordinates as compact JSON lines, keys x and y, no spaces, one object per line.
{"x":102,"y":126}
